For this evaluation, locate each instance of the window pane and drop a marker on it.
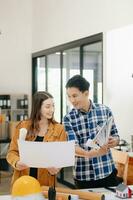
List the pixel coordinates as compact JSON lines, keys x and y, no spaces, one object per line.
{"x":41,"y":70}
{"x":92,"y":69}
{"x":71,"y":67}
{"x":53,"y":64}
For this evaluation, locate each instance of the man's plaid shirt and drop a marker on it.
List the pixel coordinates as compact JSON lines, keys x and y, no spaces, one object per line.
{"x":82,"y":126}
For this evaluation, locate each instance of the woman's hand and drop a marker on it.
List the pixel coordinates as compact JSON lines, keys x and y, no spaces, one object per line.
{"x":20,"y":166}
{"x":53,"y":170}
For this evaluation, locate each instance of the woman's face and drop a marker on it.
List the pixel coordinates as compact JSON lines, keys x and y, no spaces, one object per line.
{"x":47,"y":108}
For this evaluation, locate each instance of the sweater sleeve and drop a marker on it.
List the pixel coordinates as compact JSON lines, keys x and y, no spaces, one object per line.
{"x":13,"y":152}
{"x":63,"y":134}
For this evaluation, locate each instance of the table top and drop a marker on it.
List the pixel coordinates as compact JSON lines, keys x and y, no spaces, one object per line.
{"x":108,"y":194}
{"x":5,"y":197}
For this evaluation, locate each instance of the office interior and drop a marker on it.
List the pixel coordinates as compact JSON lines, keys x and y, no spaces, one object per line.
{"x":41,"y":38}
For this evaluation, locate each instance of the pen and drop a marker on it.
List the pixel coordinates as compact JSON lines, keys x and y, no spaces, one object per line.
{"x":90,"y":190}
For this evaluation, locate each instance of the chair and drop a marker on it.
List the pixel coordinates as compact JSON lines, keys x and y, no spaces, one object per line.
{"x":121,"y":162}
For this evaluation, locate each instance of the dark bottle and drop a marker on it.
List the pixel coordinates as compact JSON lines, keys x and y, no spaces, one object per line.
{"x":51,"y":193}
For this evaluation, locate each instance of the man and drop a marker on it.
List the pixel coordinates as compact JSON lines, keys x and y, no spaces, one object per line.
{"x":93,"y":167}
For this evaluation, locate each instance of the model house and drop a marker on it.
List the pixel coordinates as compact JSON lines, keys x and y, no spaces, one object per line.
{"x":123,"y":191}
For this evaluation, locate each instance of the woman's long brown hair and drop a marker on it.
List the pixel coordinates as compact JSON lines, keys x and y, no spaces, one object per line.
{"x":35,"y":116}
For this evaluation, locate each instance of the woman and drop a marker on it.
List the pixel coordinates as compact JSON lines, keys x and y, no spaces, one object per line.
{"x":40,"y":127}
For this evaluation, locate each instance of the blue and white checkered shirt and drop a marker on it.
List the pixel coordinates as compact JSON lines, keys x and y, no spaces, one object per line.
{"x":82,"y":126}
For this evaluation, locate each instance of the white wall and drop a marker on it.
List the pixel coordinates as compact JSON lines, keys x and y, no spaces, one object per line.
{"x":118,"y":82}
{"x":15,"y":46}
{"x":60,"y":21}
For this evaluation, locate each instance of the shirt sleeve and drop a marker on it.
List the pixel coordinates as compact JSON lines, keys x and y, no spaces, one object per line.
{"x":13,"y":152}
{"x":69,"y":129}
{"x":114,"y":130}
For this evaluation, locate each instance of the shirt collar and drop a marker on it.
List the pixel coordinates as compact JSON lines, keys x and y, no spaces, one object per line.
{"x":92,"y":106}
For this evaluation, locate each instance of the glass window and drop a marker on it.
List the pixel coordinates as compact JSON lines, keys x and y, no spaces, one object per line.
{"x":71,"y":67}
{"x":41,"y":73}
{"x":53,"y":77}
{"x":92,"y":69}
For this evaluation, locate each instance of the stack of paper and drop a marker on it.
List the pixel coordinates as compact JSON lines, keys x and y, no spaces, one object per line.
{"x":102,"y":135}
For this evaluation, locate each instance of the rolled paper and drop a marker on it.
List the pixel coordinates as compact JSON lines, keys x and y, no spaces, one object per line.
{"x":22,"y":133}
{"x":82,"y":194}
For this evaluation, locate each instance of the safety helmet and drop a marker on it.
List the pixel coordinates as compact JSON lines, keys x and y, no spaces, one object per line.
{"x":26,"y":185}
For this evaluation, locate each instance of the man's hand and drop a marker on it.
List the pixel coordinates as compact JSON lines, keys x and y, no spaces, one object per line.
{"x":103,"y":150}
{"x":91,"y":153}
{"x":112,"y":142}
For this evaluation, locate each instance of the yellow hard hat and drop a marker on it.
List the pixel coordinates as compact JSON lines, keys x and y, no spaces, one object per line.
{"x":26,"y":185}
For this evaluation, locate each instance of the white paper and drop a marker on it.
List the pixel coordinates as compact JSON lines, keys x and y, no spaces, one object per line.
{"x":47,"y":154}
{"x":22,"y":133}
{"x":102,"y":135}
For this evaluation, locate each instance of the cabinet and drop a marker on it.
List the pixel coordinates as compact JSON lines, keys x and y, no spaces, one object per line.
{"x":13,"y":108}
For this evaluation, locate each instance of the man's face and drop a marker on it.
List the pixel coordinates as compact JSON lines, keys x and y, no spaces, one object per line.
{"x":77,"y":98}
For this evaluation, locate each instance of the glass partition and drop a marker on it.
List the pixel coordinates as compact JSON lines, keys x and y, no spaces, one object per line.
{"x":53,"y":81}
{"x":41,"y":73}
{"x":71,"y":67}
{"x":92,"y":69}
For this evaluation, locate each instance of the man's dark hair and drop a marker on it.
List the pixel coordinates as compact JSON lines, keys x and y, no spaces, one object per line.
{"x":79,"y":82}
